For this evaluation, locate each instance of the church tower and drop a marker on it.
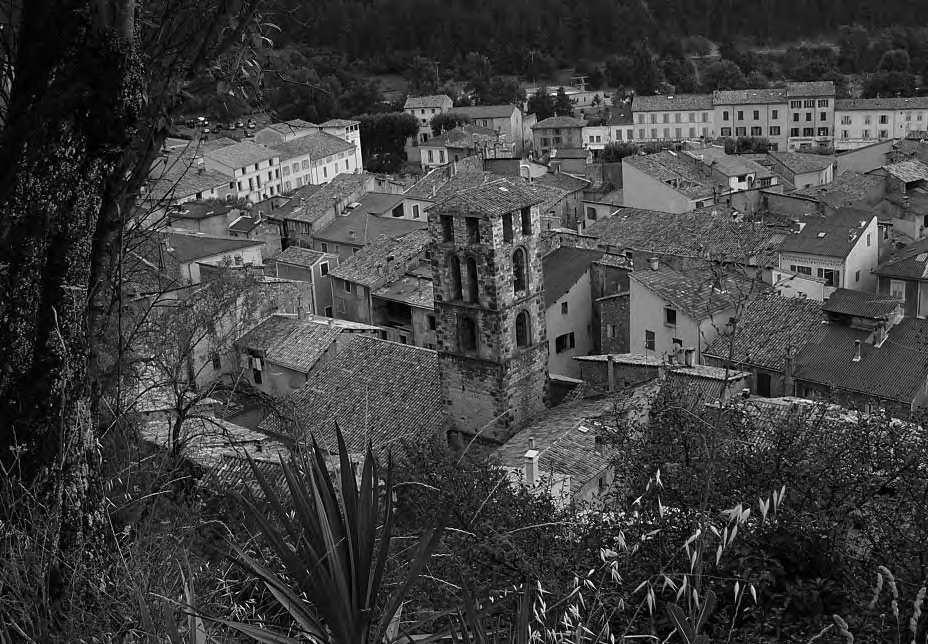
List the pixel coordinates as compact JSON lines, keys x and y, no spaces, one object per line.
{"x":489,"y":307}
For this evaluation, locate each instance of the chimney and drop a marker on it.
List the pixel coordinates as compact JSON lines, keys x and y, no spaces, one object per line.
{"x":610,"y":366}
{"x":879,"y":335}
{"x":531,"y":464}
{"x":689,"y":357}
{"x":856,"y":357}
{"x":654,"y":263}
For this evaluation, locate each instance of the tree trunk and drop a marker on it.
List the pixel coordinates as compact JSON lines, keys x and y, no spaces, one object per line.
{"x":74,"y":103}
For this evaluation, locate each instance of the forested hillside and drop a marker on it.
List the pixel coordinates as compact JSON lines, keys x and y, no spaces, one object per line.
{"x":509,"y":31}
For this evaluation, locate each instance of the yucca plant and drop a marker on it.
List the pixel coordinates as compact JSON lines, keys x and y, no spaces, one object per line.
{"x":334,"y":549}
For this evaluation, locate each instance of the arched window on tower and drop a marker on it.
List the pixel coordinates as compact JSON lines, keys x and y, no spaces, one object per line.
{"x":473,"y":287}
{"x":455,"y":277}
{"x":519,"y":277}
{"x":467,"y":334}
{"x":523,"y":329}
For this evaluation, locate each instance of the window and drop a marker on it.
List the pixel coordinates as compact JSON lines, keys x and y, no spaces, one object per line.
{"x":692,"y":117}
{"x":856,"y":276}
{"x":808,"y":116}
{"x":823,"y":102}
{"x":523,"y":330}
{"x":822,"y":131}
{"x":774,"y":130}
{"x":431,"y":156}
{"x":415,"y":211}
{"x":831,"y":277}
{"x":473,"y":230}
{"x":653,"y":118}
{"x":563,"y":308}
{"x":306,"y":164}
{"x":740,"y":131}
{"x":467,"y":334}
{"x":866,"y":134}
{"x":383,"y":334}
{"x":740,"y":115}
{"x":519,"y":278}
{"x":844,"y":134}
{"x":677,"y":117}
{"x":678,"y":133}
{"x":610,"y":330}
{"x":845,"y":120}
{"x":665,"y":118}
{"x":216,"y":360}
{"x":897,"y":289}
{"x":774,"y":114}
{"x":670,"y":317}
{"x":796,"y":117}
{"x":256,"y":376}
{"x":666,"y":132}
{"x":325,"y":247}
{"x":884,"y":119}
{"x":640,"y":119}
{"x":507,"y":227}
{"x":808,"y":131}
{"x":564,"y":342}
{"x":649,"y":340}
{"x":455,"y":267}
{"x":526,"y":214}
{"x":432,"y":324}
{"x":802,"y":270}
{"x":447,"y":228}
{"x":347,"y":287}
{"x":653,"y":132}
{"x":640,"y":132}
{"x":441,"y":156}
{"x":403,"y":339}
{"x":725,"y":115}
{"x":756,"y":115}
{"x":328,"y":311}
{"x":324,"y":268}
{"x":705,"y":117}
{"x":726,"y":131}
{"x":884,"y":134}
{"x":809,"y":103}
{"x":473,"y":286}
{"x":692,"y":132}
{"x":591,"y":213}
{"x":795,"y":104}
{"x":757,"y":131}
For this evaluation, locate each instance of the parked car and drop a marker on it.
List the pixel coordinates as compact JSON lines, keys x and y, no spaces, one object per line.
{"x":249,"y":134}
{"x":239,"y":124}
{"x":252,"y":124}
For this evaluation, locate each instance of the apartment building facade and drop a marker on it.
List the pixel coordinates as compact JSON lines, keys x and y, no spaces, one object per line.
{"x":754,"y":113}
{"x":864,"y":121}
{"x":811,"y":115}
{"x":673,"y":118}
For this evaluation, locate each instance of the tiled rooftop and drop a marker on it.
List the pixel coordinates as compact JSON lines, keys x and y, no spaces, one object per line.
{"x":302,"y":347}
{"x":662,"y":103}
{"x":268,"y":333}
{"x":848,"y":189}
{"x":409,"y":289}
{"x":193,"y":246}
{"x":563,"y":180}
{"x":317,"y":145}
{"x":799,"y":163}
{"x":339,"y":123}
{"x":559,"y":121}
{"x":810,"y":88}
{"x":376,"y":261}
{"x":497,"y":197}
{"x":678,"y":172}
{"x":908,"y":171}
{"x":297,"y":256}
{"x":887,"y":104}
{"x":844,"y":301}
{"x":211,"y":440}
{"x":562,"y":267}
{"x":894,"y":371}
{"x":359,"y":228}
{"x":909,"y":263}
{"x":768,"y":327}
{"x":180,"y":178}
{"x":749,"y":96}
{"x":379,"y":203}
{"x":464,"y":136}
{"x":442,"y":182}
{"x":319,"y":199}
{"x":433,"y":100}
{"x":486,"y":111}
{"x":731,"y":165}
{"x":831,"y":236}
{"x":700,"y":296}
{"x":241,"y":154}
{"x":378,"y":391}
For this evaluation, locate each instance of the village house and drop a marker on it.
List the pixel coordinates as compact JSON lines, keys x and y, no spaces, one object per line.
{"x":803,"y":170}
{"x":618,"y":126}
{"x":568,"y":207}
{"x":180,"y":176}
{"x":904,"y":276}
{"x":423,"y":108}
{"x":557,"y":133}
{"x":505,"y":120}
{"x":863,"y":121}
{"x":670,"y":312}
{"x":315,"y":158}
{"x":208,"y":217}
{"x":906,"y":198}
{"x":347,"y":130}
{"x":760,"y":113}
{"x":669,"y":118}
{"x":811,"y":115}
{"x":277,"y":133}
{"x":350,"y":232}
{"x":190,"y":252}
{"x":568,"y":308}
{"x":254,"y":168}
{"x":461,"y":142}
{"x":841,"y":248}
{"x":310,"y":267}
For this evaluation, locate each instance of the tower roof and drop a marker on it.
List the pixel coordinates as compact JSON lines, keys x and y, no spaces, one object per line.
{"x":492,"y":198}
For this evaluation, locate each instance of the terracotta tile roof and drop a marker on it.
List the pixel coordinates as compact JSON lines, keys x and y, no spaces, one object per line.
{"x":694,"y":294}
{"x":888,"y":104}
{"x":662,"y":103}
{"x":179,"y":178}
{"x":359,"y":228}
{"x":563,"y":180}
{"x":244,"y":224}
{"x":297,"y":256}
{"x":434,"y":100}
{"x":562,"y":267}
{"x":845,"y":301}
{"x":377,"y":391}
{"x":380,"y":260}
{"x":695,"y":387}
{"x":241,"y":154}
{"x":909,"y":263}
{"x":379,"y":203}
{"x":191,"y":247}
{"x":565,"y":437}
{"x":211,"y":440}
{"x":908,"y":171}
{"x":731,"y":165}
{"x":894,"y":371}
{"x":464,"y":136}
{"x":497,"y":197}
{"x":768,"y":327}
{"x":810,"y":88}
{"x":848,"y":189}
{"x":441,"y":183}
{"x":693,"y":234}
{"x":302,"y":347}
{"x":486,"y":111}
{"x":832,"y":236}
{"x":676,"y":172}
{"x":799,"y":163}
{"x":317,"y":145}
{"x":559,"y":121}
{"x":267,"y":333}
{"x":339,"y":123}
{"x":749,"y":96}
{"x":319,"y":199}
{"x":409,"y":289}
{"x":198,"y":210}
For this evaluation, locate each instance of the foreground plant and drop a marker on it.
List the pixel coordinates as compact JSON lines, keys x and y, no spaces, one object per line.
{"x":334,"y":549}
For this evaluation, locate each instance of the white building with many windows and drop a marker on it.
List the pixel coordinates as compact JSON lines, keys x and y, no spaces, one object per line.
{"x":254,"y":169}
{"x":424,"y":108}
{"x":673,"y":118}
{"x":754,"y":113}
{"x":862,"y":121}
{"x":314,"y":159}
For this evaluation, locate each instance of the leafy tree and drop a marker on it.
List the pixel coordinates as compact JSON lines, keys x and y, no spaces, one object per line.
{"x":616,"y":151}
{"x":889,"y":84}
{"x":562,"y":104}
{"x":446,"y":121}
{"x":422,"y":75}
{"x":810,"y":63}
{"x":384,"y":137}
{"x":645,"y":73}
{"x":747,"y":145}
{"x":679,"y":72}
{"x":541,"y":104}
{"x":619,"y":71}
{"x":96,"y":86}
{"x":503,"y":91}
{"x":723,"y":74}
{"x":854,"y":41}
{"x":895,"y":60}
